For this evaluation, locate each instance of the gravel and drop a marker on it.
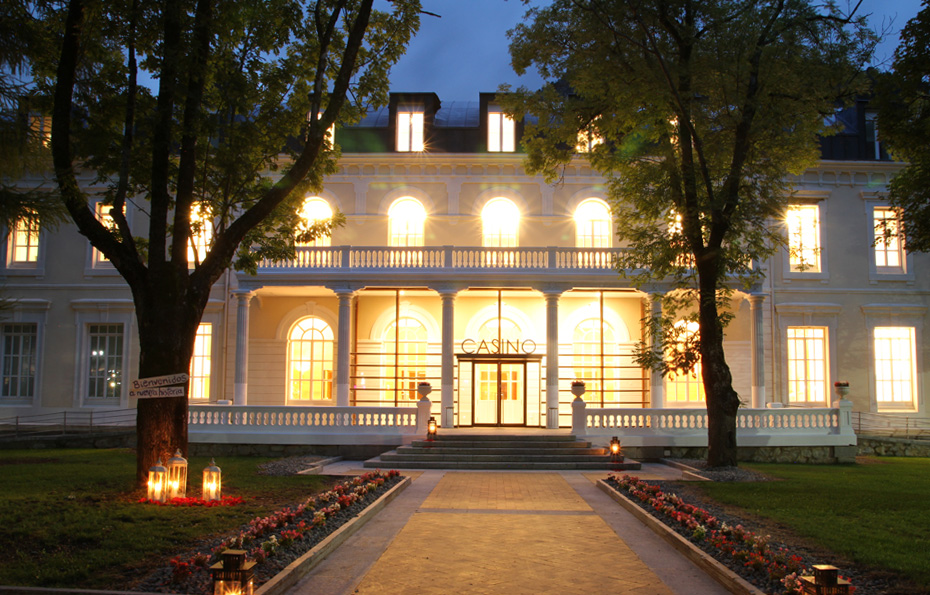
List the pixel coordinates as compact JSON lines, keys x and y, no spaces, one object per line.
{"x":289,"y":465}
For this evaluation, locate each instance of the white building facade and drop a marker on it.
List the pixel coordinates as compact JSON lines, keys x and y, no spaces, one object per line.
{"x":457,"y":268}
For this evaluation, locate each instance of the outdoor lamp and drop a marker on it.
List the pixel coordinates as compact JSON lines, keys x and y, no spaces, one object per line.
{"x":431,"y":428}
{"x":233,"y":575}
{"x":614,"y":447}
{"x":177,"y":476}
{"x":158,"y":483}
{"x":212,"y":486}
{"x":824,"y":581}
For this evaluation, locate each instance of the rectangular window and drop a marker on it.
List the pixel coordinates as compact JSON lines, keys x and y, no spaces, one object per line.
{"x":200,"y":363}
{"x":683,"y":389}
{"x":895,"y":366}
{"x":201,"y":235}
{"x":889,"y":250}
{"x":872,"y":141}
{"x":409,"y":130}
{"x":501,"y":132}
{"x":105,"y":364}
{"x":19,"y":358}
{"x":807,"y":364}
{"x":804,"y":238}
{"x":103,"y":215}
{"x":24,"y":242}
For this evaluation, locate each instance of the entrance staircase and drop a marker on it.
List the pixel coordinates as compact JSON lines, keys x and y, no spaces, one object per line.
{"x":501,"y":452}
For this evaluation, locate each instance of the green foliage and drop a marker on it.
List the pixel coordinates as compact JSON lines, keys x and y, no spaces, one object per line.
{"x":874,"y":514}
{"x":99,"y":532}
{"x":903,"y":99}
{"x":704,"y":108}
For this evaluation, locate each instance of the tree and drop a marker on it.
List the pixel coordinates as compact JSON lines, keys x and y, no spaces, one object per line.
{"x":903,"y":100}
{"x":696,"y":112}
{"x":235,"y":132}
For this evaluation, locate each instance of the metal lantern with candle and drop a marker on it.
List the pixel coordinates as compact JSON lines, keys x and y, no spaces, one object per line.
{"x":431,"y":428}
{"x":177,"y":476}
{"x":158,"y":483}
{"x":616,"y":452}
{"x":212,"y":482}
{"x":233,"y":574}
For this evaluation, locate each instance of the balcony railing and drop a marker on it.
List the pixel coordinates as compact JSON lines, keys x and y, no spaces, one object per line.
{"x":448,"y":257}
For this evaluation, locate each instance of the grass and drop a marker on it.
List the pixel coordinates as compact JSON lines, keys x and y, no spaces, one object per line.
{"x":71,"y":518}
{"x":873,"y":514}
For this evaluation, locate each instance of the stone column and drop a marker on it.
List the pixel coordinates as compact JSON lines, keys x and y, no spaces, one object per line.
{"x":757,"y":351}
{"x":241,"y":385}
{"x":657,"y":380}
{"x":343,"y":347}
{"x":447,"y":382}
{"x":552,"y":358}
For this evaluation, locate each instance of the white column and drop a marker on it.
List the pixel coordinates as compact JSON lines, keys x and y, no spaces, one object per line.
{"x":552,"y":358}
{"x":448,"y":364}
{"x":241,"y":385}
{"x":758,"y":351}
{"x":657,"y":381}
{"x":343,"y":347}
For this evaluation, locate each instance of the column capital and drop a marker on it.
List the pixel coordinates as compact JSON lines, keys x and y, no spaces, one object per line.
{"x":447,"y":290}
{"x":553,"y":291}
{"x":756,"y":299}
{"x":243,"y":294}
{"x":344,"y":290}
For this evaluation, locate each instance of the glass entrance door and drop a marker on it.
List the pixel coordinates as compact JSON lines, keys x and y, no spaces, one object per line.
{"x":499,"y":393}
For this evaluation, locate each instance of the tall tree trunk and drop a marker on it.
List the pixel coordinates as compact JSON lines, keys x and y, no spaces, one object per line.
{"x":722,"y":400}
{"x":168,"y":311}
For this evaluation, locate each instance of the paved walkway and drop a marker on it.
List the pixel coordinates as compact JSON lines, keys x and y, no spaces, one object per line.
{"x":506,"y":533}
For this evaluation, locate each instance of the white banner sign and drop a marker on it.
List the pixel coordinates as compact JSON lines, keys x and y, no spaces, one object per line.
{"x":157,"y":392}
{"x":156,"y":381}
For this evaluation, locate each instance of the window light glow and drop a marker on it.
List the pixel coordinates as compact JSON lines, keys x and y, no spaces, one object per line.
{"x":889,"y":253}
{"x":408,"y":336}
{"x":501,"y":132}
{"x":500,"y":222}
{"x":201,"y":235}
{"x":310,"y":360}
{"x":804,"y":247}
{"x":24,"y":241}
{"x":681,"y":388}
{"x":407,"y":217}
{"x":895,"y":366}
{"x":200,"y":363}
{"x":410,"y":131}
{"x":315,"y":209}
{"x":807,"y":364}
{"x":592,"y":224}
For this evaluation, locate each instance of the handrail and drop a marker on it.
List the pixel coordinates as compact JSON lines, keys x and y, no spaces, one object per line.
{"x":895,"y":425}
{"x":68,"y":422}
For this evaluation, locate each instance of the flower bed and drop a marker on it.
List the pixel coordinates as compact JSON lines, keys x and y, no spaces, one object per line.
{"x":276,"y":540}
{"x":774,"y":569}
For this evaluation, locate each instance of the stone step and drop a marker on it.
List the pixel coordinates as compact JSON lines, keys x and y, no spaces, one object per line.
{"x":629,"y":465}
{"x":499,"y":443}
{"x":461,"y":456}
{"x":516,"y":450}
{"x":504,"y":436}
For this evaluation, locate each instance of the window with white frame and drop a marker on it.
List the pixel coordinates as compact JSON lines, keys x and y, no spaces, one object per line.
{"x":873,"y":142}
{"x":592,"y":224}
{"x":105,"y":364}
{"x":310,"y":360}
{"x":405,"y":343}
{"x":500,"y":219}
{"x":313,"y":210}
{"x":685,"y":388}
{"x":103,"y":216}
{"x":23,"y":247}
{"x":410,"y":129}
{"x":895,"y":366}
{"x":804,"y":247}
{"x":887,"y":246}
{"x":201,"y":363}
{"x":18,"y":361}
{"x":807,"y":365}
{"x":501,"y":131}
{"x":201,"y":234}
{"x":406,"y":219}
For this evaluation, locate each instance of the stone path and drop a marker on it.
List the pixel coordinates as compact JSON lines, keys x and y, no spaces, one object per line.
{"x":493,"y":533}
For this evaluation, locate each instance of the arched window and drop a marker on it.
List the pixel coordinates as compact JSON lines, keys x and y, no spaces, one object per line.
{"x":592,"y":224}
{"x":595,"y":358}
{"x":315,"y":209}
{"x":406,"y":217}
{"x":310,"y":360}
{"x":685,"y":388}
{"x":500,"y":220}
{"x":405,"y":349}
{"x":505,"y":328}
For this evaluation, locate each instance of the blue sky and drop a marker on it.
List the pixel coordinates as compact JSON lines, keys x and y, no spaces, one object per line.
{"x":465,"y":52}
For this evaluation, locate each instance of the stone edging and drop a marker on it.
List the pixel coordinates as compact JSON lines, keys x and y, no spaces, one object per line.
{"x":300,"y":567}
{"x":687,"y":473}
{"x":720,"y":573}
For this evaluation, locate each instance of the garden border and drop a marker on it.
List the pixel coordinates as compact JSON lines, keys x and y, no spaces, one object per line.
{"x":719,"y":572}
{"x":300,"y":567}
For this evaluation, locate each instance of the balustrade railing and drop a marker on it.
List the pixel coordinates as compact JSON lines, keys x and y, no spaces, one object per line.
{"x":399,"y":420}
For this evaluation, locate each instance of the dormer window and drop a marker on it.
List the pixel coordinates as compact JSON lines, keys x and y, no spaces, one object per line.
{"x":409,"y":129}
{"x":501,"y":131}
{"x":873,"y":144}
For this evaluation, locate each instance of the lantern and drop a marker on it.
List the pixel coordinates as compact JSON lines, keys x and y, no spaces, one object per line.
{"x":177,"y":476}
{"x":615,"y":450}
{"x":825,"y":581}
{"x":212,"y":487}
{"x":233,"y":575}
{"x":431,"y":428}
{"x":158,"y":483}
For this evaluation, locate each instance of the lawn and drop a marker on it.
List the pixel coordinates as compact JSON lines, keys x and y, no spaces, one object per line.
{"x":874,"y":514}
{"x":71,"y":518}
